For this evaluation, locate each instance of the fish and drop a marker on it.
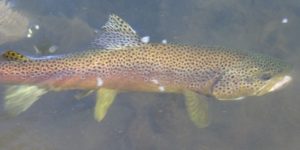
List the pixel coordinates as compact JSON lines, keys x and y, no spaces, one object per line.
{"x":119,"y":61}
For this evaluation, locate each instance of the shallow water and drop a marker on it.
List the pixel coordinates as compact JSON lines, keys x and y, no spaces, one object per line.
{"x":159,"y":121}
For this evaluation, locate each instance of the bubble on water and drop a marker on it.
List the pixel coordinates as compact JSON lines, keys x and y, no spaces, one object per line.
{"x":164,"y":41}
{"x":37,"y":27}
{"x":285,"y":20}
{"x":29,"y":35}
{"x":145,"y":39}
{"x":53,"y":49}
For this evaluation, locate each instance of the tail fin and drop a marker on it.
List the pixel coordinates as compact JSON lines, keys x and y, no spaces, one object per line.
{"x":18,"y":98}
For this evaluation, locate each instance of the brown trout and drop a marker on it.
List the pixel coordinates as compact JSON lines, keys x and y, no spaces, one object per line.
{"x":122,"y":62}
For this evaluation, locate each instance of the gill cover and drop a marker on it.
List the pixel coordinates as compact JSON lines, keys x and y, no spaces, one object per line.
{"x":251,"y":75}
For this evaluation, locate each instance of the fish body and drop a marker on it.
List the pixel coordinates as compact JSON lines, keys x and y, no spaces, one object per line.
{"x":121,"y":62}
{"x":149,"y":68}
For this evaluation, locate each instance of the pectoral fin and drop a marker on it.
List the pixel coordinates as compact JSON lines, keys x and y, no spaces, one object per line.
{"x":197,"y":109}
{"x":18,"y":98}
{"x":105,"y":97}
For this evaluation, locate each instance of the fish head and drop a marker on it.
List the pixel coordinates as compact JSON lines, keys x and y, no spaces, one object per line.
{"x":252,"y":75}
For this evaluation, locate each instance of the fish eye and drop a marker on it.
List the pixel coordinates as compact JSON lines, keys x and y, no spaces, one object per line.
{"x":266,"y":76}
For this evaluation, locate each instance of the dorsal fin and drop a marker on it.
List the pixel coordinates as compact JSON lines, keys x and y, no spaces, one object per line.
{"x":116,"y":34}
{"x":11,"y":55}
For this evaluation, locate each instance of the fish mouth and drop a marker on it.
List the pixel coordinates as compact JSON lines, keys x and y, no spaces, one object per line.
{"x":275,"y":84}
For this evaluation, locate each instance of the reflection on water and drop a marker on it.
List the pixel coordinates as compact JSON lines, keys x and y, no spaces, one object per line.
{"x":159,"y":121}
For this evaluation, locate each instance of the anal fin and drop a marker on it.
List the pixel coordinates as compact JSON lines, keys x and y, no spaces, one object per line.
{"x":197,"y":109}
{"x":18,"y":98}
{"x":105,"y":97}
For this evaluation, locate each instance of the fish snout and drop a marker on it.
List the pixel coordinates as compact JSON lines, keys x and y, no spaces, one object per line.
{"x":275,"y":84}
